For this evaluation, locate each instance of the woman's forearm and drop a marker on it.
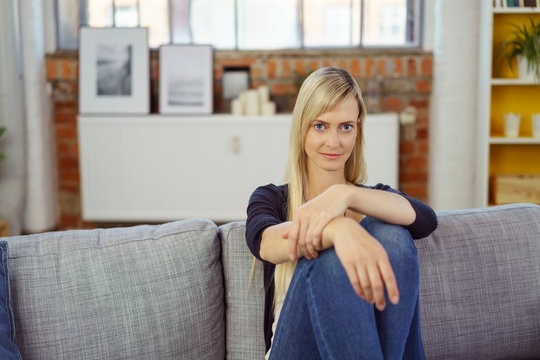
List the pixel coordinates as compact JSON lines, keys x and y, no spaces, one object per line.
{"x":387,"y":206}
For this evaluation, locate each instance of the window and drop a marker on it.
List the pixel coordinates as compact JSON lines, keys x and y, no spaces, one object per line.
{"x":251,"y":24}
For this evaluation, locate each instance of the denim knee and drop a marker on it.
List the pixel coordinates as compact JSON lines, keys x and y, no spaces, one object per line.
{"x":327,"y":262}
{"x":395,"y":239}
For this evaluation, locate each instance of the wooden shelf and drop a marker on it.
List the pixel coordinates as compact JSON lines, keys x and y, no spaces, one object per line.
{"x":523,"y":140}
{"x":513,"y":81}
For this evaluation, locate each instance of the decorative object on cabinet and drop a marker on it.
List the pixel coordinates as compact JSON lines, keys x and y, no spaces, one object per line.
{"x":185,"y":79}
{"x":253,"y":102}
{"x":511,"y":124}
{"x":114,"y":71}
{"x":524,"y":48}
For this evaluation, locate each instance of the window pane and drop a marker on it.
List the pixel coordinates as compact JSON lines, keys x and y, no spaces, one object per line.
{"x":68,"y":24}
{"x":385,"y":23}
{"x":180,"y":22}
{"x":155,"y":16}
{"x":328,"y":23}
{"x":100,"y":13}
{"x":212,"y":22}
{"x":126,"y":13}
{"x":268,"y":24}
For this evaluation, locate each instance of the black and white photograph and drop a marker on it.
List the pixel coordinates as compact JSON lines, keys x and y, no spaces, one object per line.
{"x":185,"y":77}
{"x":114,"y":70}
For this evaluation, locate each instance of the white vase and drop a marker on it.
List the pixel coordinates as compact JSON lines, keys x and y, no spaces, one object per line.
{"x":523,"y":72}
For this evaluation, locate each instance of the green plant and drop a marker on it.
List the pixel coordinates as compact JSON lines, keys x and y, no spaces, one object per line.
{"x":525,"y":42}
{"x":2,"y":130}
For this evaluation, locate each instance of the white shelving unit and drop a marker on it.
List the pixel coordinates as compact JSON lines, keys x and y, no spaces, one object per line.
{"x":486,"y":85}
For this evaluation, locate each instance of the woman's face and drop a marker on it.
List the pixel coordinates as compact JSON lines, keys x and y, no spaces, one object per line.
{"x":331,"y":137}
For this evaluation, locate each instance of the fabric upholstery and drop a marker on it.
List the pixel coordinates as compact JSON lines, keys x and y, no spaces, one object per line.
{"x":480,"y":284}
{"x":244,"y":299}
{"x":8,"y":350}
{"x":145,"y":292}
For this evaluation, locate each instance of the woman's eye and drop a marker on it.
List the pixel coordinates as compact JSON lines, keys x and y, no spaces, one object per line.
{"x":319,"y":126}
{"x":347,"y":127}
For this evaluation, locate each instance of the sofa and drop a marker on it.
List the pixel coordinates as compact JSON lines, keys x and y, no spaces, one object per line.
{"x":182,"y":290}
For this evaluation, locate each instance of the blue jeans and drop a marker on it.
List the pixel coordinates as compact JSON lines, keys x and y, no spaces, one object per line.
{"x":322,"y":317}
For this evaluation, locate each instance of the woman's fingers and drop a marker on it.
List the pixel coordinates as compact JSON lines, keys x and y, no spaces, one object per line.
{"x":377,"y":287}
{"x":389,"y":279}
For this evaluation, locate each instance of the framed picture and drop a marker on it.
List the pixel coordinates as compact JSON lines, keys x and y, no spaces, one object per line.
{"x":114,"y":71}
{"x":185,"y":79}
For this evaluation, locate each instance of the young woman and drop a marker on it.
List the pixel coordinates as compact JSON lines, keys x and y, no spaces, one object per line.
{"x":331,"y":246}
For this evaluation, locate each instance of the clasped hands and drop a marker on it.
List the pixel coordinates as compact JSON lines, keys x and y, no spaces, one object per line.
{"x":364,"y":259}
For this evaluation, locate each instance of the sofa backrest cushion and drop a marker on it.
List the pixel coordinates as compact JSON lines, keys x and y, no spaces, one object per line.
{"x":144,"y":292}
{"x":244,"y":298}
{"x":480,"y":284}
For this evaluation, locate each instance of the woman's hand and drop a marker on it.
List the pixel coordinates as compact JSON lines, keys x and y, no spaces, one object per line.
{"x":365,"y":261}
{"x":310,"y":219}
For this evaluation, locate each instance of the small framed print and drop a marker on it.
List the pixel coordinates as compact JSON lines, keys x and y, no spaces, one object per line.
{"x":114,"y":71}
{"x":186,"y":79}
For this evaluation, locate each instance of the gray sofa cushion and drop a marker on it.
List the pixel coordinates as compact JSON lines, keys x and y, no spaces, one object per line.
{"x":244,"y":302}
{"x":145,"y":292}
{"x":480,"y":284}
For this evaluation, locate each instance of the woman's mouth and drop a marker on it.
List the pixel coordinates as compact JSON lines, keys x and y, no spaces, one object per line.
{"x":331,"y":156}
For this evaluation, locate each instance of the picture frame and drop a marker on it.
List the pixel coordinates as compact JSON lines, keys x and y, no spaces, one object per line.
{"x":114,"y":71}
{"x":186,"y":79}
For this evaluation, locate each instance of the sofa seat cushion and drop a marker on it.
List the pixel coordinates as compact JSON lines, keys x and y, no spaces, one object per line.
{"x":144,"y":292}
{"x":480,"y":284}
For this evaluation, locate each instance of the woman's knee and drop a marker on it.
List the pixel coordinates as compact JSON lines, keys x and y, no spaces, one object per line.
{"x":395,"y":239}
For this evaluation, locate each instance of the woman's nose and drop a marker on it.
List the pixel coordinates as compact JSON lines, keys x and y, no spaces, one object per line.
{"x":332,"y":139}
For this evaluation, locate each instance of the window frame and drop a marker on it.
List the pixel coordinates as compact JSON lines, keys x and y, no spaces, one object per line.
{"x":414,"y":22}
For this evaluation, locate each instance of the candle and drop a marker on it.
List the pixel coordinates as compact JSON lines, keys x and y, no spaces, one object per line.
{"x":269,"y":108}
{"x":264,"y":96}
{"x":252,"y":102}
{"x":236,"y":107}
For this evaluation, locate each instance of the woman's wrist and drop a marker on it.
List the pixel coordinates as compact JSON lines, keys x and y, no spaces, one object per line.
{"x":329,"y":234}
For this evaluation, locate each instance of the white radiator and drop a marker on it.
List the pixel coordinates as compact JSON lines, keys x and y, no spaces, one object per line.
{"x":161,"y":168}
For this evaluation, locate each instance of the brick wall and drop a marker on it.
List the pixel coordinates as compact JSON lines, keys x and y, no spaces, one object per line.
{"x":389,"y":82}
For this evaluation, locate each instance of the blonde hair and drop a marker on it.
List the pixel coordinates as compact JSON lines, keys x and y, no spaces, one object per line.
{"x":322,"y":91}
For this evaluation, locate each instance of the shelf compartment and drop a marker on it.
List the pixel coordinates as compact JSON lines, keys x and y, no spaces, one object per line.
{"x":523,"y":140}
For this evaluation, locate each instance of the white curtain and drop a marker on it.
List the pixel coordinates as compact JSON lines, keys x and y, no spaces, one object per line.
{"x":28,"y":174}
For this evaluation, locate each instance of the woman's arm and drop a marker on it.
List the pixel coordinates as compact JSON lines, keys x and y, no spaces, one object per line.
{"x":380,"y":202}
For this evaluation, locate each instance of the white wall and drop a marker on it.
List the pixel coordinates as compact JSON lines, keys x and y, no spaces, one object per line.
{"x":453,"y":120}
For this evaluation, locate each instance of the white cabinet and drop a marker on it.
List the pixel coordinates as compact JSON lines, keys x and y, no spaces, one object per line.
{"x":160,"y":168}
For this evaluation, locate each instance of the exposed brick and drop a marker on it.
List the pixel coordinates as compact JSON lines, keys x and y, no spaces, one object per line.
{"x":413,"y":176}
{"x":67,"y":163}
{"x":313,"y":65}
{"x":393,"y":103}
{"x":423,"y":86}
{"x":343,"y":64}
{"x":355,"y":68}
{"x":421,"y":133}
{"x":64,"y":131}
{"x":299,"y":67}
{"x":244,"y":62}
{"x":423,"y":147}
{"x":66,"y":107}
{"x":67,"y":71}
{"x":286,"y":71}
{"x":282,"y":89}
{"x":52,"y":68}
{"x":419,"y":103}
{"x":381,"y":67}
{"x":66,"y":222}
{"x":69,"y":175}
{"x":411,"y":67}
{"x":271,"y":69}
{"x":426,"y":66}
{"x":370,"y":68}
{"x":415,"y":190}
{"x":415,"y":163}
{"x":326,"y":63}
{"x":64,"y":118}
{"x":398,"y":66}
{"x":407,"y":147}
